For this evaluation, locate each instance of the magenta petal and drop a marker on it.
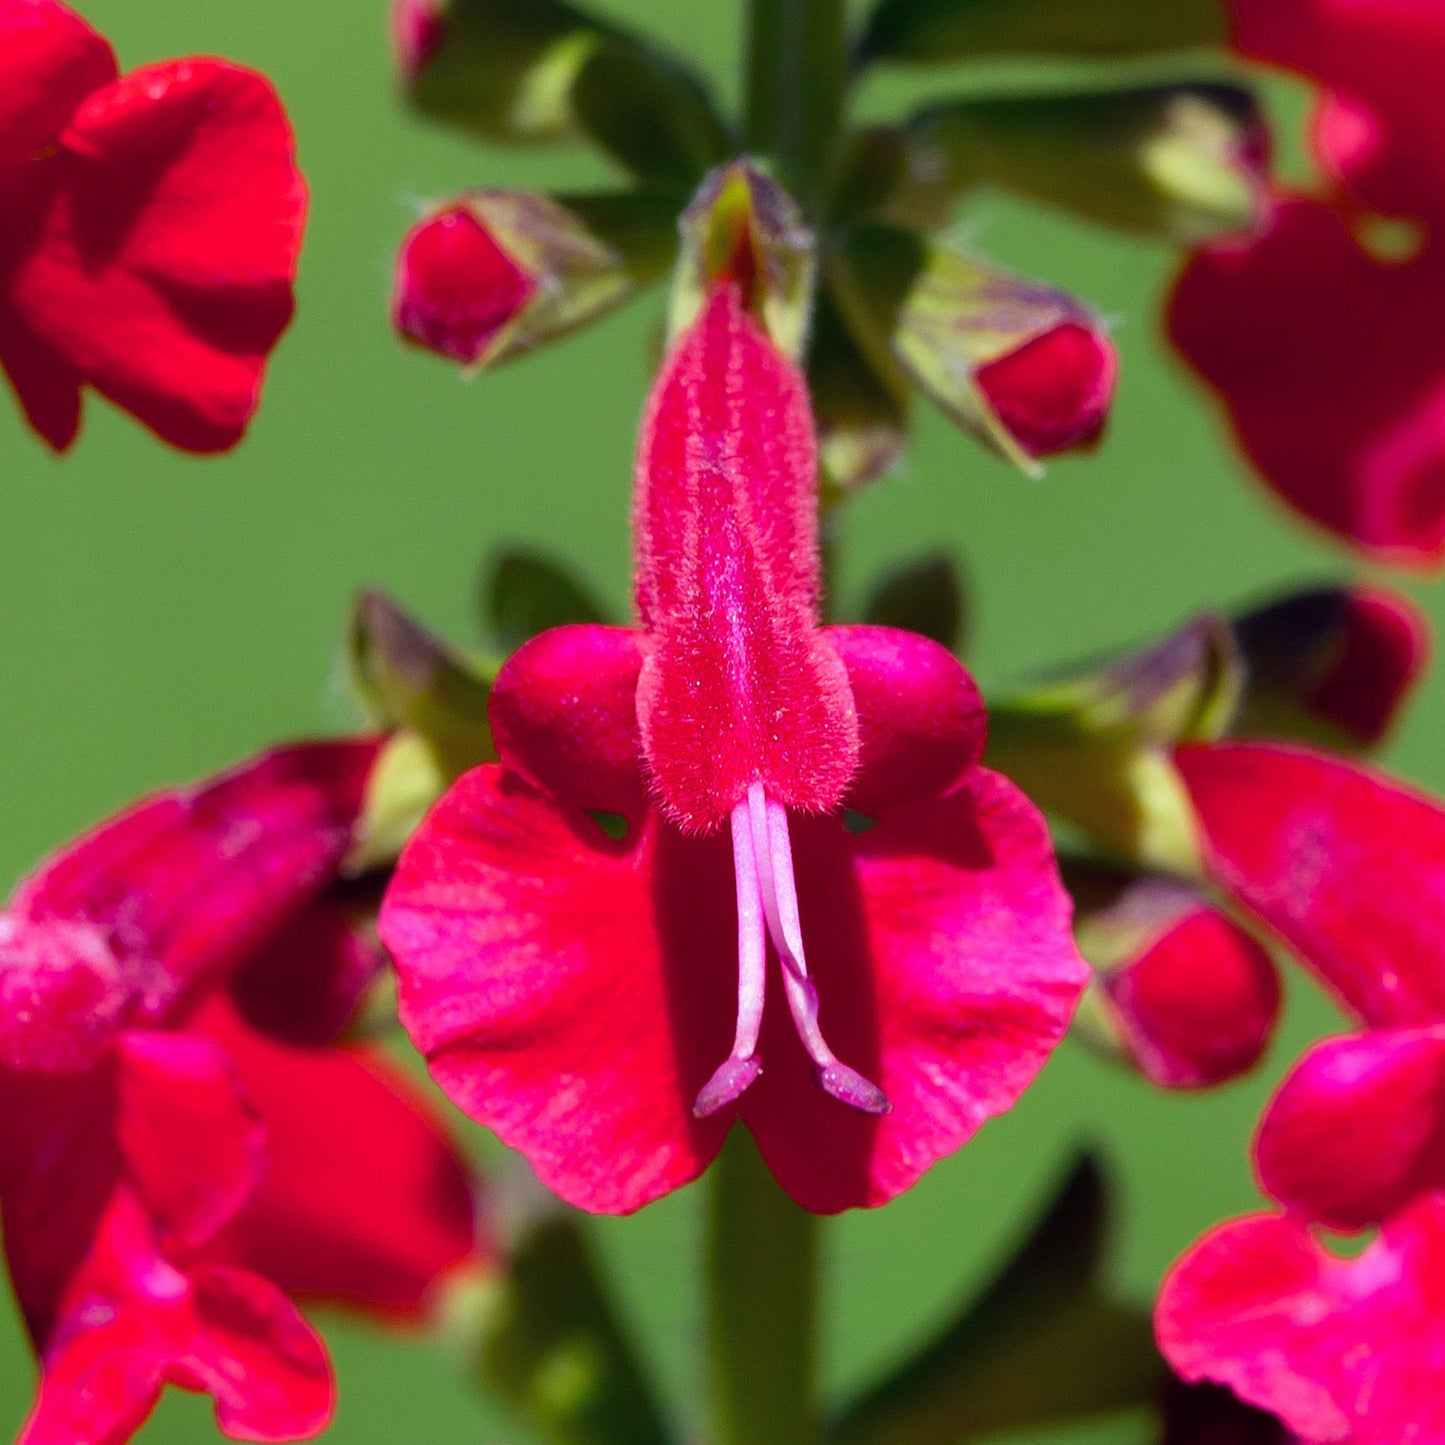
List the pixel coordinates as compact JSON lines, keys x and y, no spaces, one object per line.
{"x":1357,"y":1128}
{"x":939,"y":941}
{"x":50,"y":60}
{"x":1341,"y":1350}
{"x":62,"y":994}
{"x":1330,"y":365}
{"x":184,"y":885}
{"x":1346,"y":865}
{"x":251,"y":1351}
{"x":192,"y":1147}
{"x":370,"y":1212}
{"x":133,"y":1322}
{"x":921,"y":722}
{"x":59,"y":1169}
{"x":564,"y":715}
{"x":571,"y":993}
{"x":304,"y":984}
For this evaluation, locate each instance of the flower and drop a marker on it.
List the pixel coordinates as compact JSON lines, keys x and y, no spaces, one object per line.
{"x":1328,"y":353}
{"x":564,"y":923}
{"x":169,"y":1174}
{"x":151,"y":229}
{"x":1341,"y":1350}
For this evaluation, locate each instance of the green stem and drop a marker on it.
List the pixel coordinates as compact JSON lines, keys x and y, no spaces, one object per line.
{"x":762,"y":1273}
{"x":797,"y":68}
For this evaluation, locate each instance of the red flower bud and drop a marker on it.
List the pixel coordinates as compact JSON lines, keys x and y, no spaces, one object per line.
{"x":1053,"y":392}
{"x":456,"y":287}
{"x":1198,"y":1005}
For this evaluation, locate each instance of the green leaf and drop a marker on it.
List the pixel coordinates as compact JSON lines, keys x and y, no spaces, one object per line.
{"x":946,"y":31}
{"x":543,"y":1336}
{"x":1045,"y":1343}
{"x":741,"y":223}
{"x":923,"y":595}
{"x":526,"y":592}
{"x":533,"y":71}
{"x":1182,"y":161}
{"x":941,"y":314}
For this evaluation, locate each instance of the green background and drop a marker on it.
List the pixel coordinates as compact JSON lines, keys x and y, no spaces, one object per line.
{"x":164,"y":616}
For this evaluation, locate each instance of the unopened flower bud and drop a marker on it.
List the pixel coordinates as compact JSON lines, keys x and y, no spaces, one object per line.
{"x":1331,"y":665}
{"x":1024,"y":367}
{"x":1053,"y":392}
{"x":456,"y":287}
{"x":495,"y":274}
{"x":1182,"y":993}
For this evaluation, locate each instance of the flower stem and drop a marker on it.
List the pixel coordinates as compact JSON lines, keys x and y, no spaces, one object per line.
{"x":762,"y":1273}
{"x":797,"y":68}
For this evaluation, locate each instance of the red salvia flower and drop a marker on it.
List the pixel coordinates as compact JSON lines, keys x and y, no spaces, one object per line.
{"x":597,"y":997}
{"x":166,"y":1168}
{"x":1328,"y":354}
{"x":1343,"y":1351}
{"x":149,"y":231}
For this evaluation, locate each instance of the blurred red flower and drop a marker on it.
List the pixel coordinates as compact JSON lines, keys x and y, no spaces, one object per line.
{"x":1328,"y":351}
{"x":150,"y":232}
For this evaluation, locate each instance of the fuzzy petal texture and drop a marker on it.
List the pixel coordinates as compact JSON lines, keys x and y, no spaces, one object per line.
{"x":1330,"y":363}
{"x":574,"y":993}
{"x":1341,"y":1350}
{"x":1344,"y":864}
{"x":158,"y":253}
{"x":921,"y":721}
{"x":739,"y":685}
{"x":1357,"y":1129}
{"x":365,"y":1200}
{"x":121,"y":926}
{"x":564,"y":715}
